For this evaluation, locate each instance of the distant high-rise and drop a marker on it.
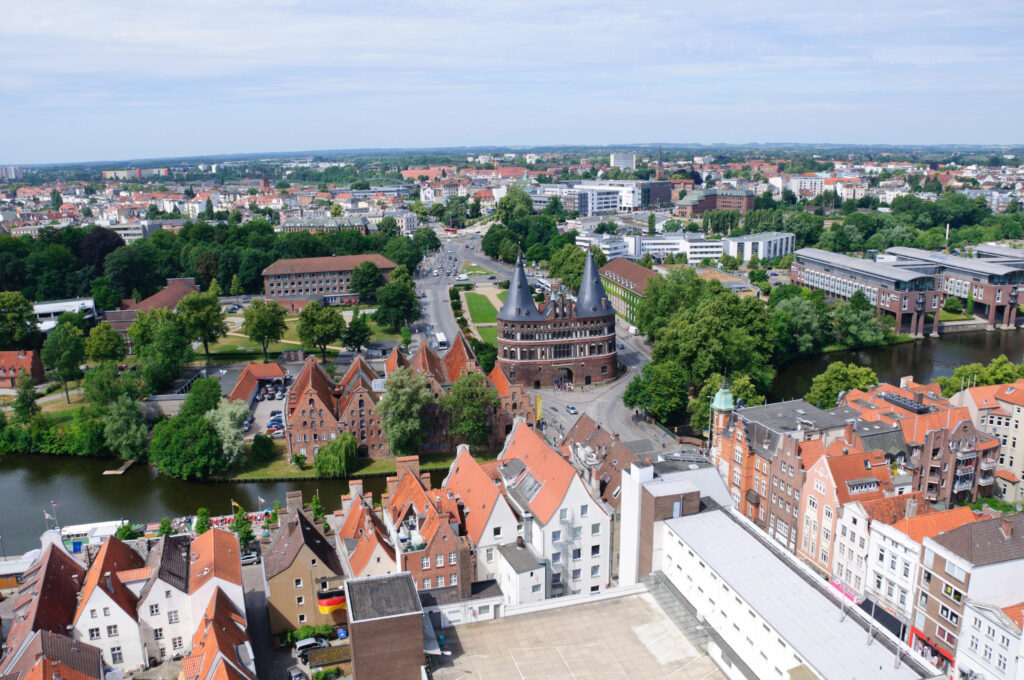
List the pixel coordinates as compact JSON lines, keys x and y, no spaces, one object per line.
{"x":624,"y":161}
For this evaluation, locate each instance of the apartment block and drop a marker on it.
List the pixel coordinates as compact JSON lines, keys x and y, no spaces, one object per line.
{"x":997,"y":411}
{"x":323,"y":278}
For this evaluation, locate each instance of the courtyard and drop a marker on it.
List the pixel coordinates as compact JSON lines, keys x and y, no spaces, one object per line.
{"x":626,"y":637}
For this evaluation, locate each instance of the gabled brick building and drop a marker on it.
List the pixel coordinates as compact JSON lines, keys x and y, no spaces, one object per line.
{"x":13,"y":362}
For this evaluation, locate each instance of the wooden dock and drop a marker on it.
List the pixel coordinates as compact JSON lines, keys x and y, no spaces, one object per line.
{"x":121,"y":470}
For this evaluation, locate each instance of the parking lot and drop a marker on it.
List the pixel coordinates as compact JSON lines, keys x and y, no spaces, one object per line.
{"x":627,"y":637}
{"x":261,"y":411}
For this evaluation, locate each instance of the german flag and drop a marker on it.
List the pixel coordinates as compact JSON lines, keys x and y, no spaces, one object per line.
{"x":326,"y":605}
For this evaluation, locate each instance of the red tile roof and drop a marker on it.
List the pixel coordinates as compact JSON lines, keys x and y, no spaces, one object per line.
{"x":168,"y":298}
{"x":15,"y":361}
{"x":934,"y":523}
{"x":215,"y":554}
{"x":551,"y":470}
{"x":113,"y":557}
{"x":1008,"y":476}
{"x":857,"y":466}
{"x":221,"y":631}
{"x":499,"y":381}
{"x":628,"y":275}
{"x":340,"y":263}
{"x":892,"y":509}
{"x":250,"y":378}
{"x":1015,"y":612}
{"x":459,"y":359}
{"x":395,"y":361}
{"x":363,"y":525}
{"x":477,"y":491}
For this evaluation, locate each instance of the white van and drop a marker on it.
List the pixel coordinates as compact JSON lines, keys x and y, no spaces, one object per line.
{"x":461,"y":277}
{"x":303,"y":646}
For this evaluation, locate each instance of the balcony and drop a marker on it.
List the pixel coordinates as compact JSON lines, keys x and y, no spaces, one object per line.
{"x":962,"y":486}
{"x":986,"y":480}
{"x":987,"y":464}
{"x":966,"y":455}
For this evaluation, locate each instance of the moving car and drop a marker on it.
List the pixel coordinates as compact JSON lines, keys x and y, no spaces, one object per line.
{"x":571,"y":409}
{"x":492,"y":277}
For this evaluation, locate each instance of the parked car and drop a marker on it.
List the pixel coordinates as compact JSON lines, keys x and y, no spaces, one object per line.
{"x":619,"y":345}
{"x":246,"y":298}
{"x":571,"y":409}
{"x":259,"y":396}
{"x":492,"y":277}
{"x":249,"y":558}
{"x":276,"y":413}
{"x":296,"y":673}
{"x":277,"y":434}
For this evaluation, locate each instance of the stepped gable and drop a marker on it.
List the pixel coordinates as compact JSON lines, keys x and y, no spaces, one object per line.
{"x":426,"y":361}
{"x":361,"y":533}
{"x":311,"y":377}
{"x":519,"y":303}
{"x":459,"y":359}
{"x":395,"y":361}
{"x":592,"y":299}
{"x":499,"y":381}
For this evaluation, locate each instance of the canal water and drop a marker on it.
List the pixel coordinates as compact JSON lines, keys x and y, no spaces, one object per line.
{"x":84,"y":494}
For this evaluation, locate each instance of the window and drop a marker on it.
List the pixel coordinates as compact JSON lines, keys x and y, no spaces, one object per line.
{"x":451,"y":558}
{"x":556,"y":557}
{"x":497,"y":532}
{"x":154,"y":610}
{"x":94,"y":633}
{"x":536,"y":586}
{"x":556,"y":579}
{"x":948,"y":614}
{"x":955,"y":571}
{"x":577,"y":532}
{"x":987,"y":653}
{"x":106,"y":611}
{"x":172,"y":617}
{"x":952,"y":593}
{"x":576,"y":573}
{"x":595,"y":571}
{"x":556,"y":536}
{"x":595,"y":529}
{"x":116,"y":656}
{"x":425,"y":562}
{"x":563,"y":514}
{"x":490,"y":554}
{"x":312,"y":563}
{"x":828,"y":512}
{"x":1001,"y":662}
{"x":111,"y":631}
{"x":298,"y":583}
{"x":92,"y":613}
{"x":158,"y":633}
{"x":440,"y":581}
{"x":577,"y":553}
{"x":302,"y":618}
{"x":426,"y":583}
{"x":176,"y":643}
{"x":583,"y":510}
{"x":299,"y":601}
{"x":812,"y":502}
{"x":439,"y":561}
{"x":452,"y":580}
{"x":974,"y":643}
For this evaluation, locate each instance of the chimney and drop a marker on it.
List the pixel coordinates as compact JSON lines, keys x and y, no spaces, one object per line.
{"x":520,"y":543}
{"x":616,"y":435}
{"x":355,"y":488}
{"x":595,"y":481}
{"x":74,"y":578}
{"x":848,"y":432}
{"x":392,"y":485}
{"x":911,"y":508}
{"x":293,"y":501}
{"x":407,"y":463}
{"x":918,"y":397}
{"x":1006,"y":526}
{"x":425,"y":480}
{"x":846,"y":451}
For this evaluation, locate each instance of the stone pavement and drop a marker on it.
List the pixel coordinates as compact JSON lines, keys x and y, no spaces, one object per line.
{"x":626,"y":637}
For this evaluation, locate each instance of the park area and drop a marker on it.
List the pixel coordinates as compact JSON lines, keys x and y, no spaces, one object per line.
{"x":481,"y":310}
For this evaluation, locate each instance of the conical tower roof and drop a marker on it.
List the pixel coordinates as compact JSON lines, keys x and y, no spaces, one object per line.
{"x":723,"y":398}
{"x":519,"y":303}
{"x":592,"y":300}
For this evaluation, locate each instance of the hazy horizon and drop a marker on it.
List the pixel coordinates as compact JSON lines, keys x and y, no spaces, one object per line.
{"x":89,"y":83}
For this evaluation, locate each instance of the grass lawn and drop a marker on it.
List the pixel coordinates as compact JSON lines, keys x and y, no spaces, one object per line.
{"x":502,"y":294}
{"x":947,"y":316}
{"x":279,"y":466}
{"x":470,"y":269}
{"x":489,"y":334}
{"x":481,"y":310}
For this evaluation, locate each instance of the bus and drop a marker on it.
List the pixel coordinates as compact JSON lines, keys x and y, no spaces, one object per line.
{"x":442,"y":342}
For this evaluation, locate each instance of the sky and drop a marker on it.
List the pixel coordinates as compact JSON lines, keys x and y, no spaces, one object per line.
{"x":113,"y":79}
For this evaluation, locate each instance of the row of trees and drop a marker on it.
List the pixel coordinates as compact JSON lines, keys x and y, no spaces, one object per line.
{"x":94,"y":261}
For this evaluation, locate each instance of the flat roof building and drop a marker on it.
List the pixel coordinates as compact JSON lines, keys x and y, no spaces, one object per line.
{"x":386,"y":627}
{"x":326,"y":278}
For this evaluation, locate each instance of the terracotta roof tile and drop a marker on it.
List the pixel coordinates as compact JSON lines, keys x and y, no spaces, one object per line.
{"x":847,"y":469}
{"x":499,"y":381}
{"x":627,"y":274}
{"x":215,"y":554}
{"x":168,"y":297}
{"x":113,"y":557}
{"x":892,"y":509}
{"x":1015,"y":612}
{"x":1008,"y":476}
{"x":477,"y":491}
{"x":304,"y":265}
{"x":548,"y":467}
{"x":932,"y":524}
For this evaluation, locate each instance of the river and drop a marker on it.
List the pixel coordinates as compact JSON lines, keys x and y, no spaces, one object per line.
{"x":84,"y":494}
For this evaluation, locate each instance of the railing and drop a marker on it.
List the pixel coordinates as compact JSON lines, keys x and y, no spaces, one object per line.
{"x":985,"y":480}
{"x":962,"y":486}
{"x":987,"y":464}
{"x":966,"y":455}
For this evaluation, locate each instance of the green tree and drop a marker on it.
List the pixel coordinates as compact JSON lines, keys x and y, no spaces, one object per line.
{"x":236,"y":286}
{"x":388,"y":227}
{"x":227,"y":420}
{"x":401,"y":250}
{"x":104,"y":344}
{"x":969,"y":308}
{"x":953,"y":305}
{"x":126,"y":532}
{"x":660,"y":390}
{"x":425,"y":240}
{"x":186,"y":447}
{"x":203,"y":397}
{"x":203,"y":523}
{"x":166,"y":529}
{"x":856,"y":328}
{"x":358,"y":333}
{"x":470,"y":401}
{"x":124,"y":429}
{"x":18,"y":328}
{"x":102,"y":384}
{"x":241,"y":525}
{"x":103,"y":293}
{"x":396,"y":304}
{"x":700,"y":406}
{"x":264,"y":323}
{"x":317,"y":507}
{"x":201,"y":319}
{"x":514,"y":205}
{"x":838,"y":378}
{"x":327,"y":461}
{"x":650,"y":225}
{"x":274,"y":517}
{"x":262,"y":448}
{"x":798,"y":327}
{"x":336,"y":210}
{"x":474,"y":208}
{"x":215,"y":288}
{"x":161,"y":359}
{"x":399,"y":410}
{"x":320,"y":326}
{"x":366,"y":279}
{"x":406,"y":337}
{"x":55,"y":199}
{"x":646,"y":261}
{"x":25,"y":406}
{"x":63,"y":353}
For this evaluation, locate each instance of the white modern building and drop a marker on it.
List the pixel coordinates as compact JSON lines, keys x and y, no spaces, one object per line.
{"x":766,"y":245}
{"x":624,"y":161}
{"x":991,"y":645}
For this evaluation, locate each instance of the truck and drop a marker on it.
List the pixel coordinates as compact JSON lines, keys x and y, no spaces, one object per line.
{"x":633,"y":330}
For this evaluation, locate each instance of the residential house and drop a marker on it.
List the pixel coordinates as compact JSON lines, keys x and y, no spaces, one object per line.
{"x":486,"y":517}
{"x":362,"y":540}
{"x":215,"y":566}
{"x":221,"y":648}
{"x":563,"y":521}
{"x":13,"y":362}
{"x":599,"y":458}
{"x":326,"y":278}
{"x":994,"y":646}
{"x":996,"y":410}
{"x":981,"y":561}
{"x":46,"y":655}
{"x":107,"y":613}
{"x":302,"y":574}
{"x":163,"y":605}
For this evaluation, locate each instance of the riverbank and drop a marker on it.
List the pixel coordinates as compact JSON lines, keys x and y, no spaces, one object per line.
{"x":280,"y":469}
